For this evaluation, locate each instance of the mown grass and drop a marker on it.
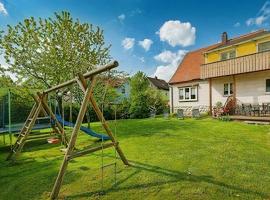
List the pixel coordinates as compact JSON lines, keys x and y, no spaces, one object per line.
{"x":171,"y":159}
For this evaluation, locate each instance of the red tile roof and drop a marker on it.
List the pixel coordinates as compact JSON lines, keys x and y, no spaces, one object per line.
{"x":189,"y":68}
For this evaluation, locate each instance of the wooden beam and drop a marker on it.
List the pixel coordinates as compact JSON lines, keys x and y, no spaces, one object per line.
{"x":90,"y":150}
{"x":86,"y":76}
{"x":234,"y":90}
{"x":103,"y":121}
{"x":51,"y":114}
{"x":210,"y":97}
{"x":71,"y":145}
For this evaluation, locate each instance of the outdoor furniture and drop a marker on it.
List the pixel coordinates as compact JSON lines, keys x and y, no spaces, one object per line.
{"x":196,"y":113}
{"x":153,"y":114}
{"x":265,"y":108}
{"x":166,"y":115}
{"x":238,"y":110}
{"x":256,"y":109}
{"x":247,"y":109}
{"x":180,"y":114}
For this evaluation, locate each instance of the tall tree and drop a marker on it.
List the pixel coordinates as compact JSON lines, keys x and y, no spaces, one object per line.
{"x":50,"y":51}
{"x":139,"y":107}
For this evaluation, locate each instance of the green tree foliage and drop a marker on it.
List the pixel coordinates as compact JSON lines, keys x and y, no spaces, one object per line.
{"x":157,"y":100}
{"x":143,"y":98}
{"x":6,"y":81}
{"x":46,"y":52}
{"x":139,"y":107}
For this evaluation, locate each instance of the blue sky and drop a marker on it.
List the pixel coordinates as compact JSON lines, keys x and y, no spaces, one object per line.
{"x":151,"y":36}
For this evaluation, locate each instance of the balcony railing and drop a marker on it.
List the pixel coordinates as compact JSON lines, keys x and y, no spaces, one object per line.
{"x":244,"y":64}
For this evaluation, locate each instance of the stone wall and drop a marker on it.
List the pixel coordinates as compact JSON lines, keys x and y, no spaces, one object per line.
{"x":188,"y":109}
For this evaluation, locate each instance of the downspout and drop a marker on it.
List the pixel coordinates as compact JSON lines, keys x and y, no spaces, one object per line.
{"x":171,"y":99}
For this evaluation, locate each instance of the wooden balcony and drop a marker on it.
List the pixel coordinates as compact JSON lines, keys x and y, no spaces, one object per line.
{"x":244,"y":64}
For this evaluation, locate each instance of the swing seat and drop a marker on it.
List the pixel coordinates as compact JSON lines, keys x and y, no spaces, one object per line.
{"x":53,"y":140}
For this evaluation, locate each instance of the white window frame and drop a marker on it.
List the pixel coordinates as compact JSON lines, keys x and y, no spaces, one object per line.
{"x":267,"y":92}
{"x":227,"y":52}
{"x":229,"y":89}
{"x":258,"y":47}
{"x":184,"y":94}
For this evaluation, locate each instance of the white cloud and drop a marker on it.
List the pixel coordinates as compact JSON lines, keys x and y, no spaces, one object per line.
{"x":128,"y":43}
{"x":142,"y":59}
{"x":237,"y":24}
{"x":146,"y":44}
{"x":122,"y":17}
{"x":177,"y":33}
{"x":3,"y":9}
{"x":136,"y":11}
{"x":261,"y":17}
{"x":170,"y":62}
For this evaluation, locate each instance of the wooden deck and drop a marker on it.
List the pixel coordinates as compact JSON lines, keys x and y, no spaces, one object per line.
{"x":251,"y":118}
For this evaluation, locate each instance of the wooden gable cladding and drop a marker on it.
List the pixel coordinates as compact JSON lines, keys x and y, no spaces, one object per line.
{"x":244,"y":64}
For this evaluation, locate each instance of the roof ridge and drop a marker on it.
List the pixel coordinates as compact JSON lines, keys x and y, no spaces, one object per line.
{"x":248,"y":34}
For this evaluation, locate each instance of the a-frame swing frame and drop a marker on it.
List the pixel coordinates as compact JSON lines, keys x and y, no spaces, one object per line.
{"x":41,"y":105}
{"x":88,"y":99}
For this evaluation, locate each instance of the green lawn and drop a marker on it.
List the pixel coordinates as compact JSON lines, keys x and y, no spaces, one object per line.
{"x":171,"y":159}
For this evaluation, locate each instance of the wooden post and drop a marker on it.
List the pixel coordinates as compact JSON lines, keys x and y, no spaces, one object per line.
{"x":72,"y":142}
{"x":51,"y":114}
{"x":234,"y":91}
{"x":210,"y":97}
{"x":102,"y":119}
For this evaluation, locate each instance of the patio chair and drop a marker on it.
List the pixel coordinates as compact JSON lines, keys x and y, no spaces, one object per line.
{"x":180,"y":114}
{"x":153,"y":114}
{"x":247,"y":108}
{"x":238,"y":110}
{"x":265,"y":108}
{"x":166,"y":115}
{"x":196,"y":113}
{"x":256,"y":109}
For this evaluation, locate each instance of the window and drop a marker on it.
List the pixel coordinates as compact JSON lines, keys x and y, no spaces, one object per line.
{"x":228,"y":89}
{"x":227,"y":55}
{"x":265,"y":46}
{"x":267,"y":85}
{"x":188,"y":93}
{"x":123,"y":90}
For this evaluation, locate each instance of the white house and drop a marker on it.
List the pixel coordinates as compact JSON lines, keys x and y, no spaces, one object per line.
{"x":238,"y":67}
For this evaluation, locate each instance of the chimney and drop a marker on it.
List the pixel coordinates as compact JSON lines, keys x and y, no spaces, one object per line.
{"x":224,"y":37}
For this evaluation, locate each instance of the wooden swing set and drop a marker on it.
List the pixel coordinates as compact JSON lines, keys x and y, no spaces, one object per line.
{"x":41,"y":105}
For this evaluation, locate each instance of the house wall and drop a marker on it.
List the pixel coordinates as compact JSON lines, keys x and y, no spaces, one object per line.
{"x":250,"y":88}
{"x":242,"y":49}
{"x":203,"y":97}
{"x":126,"y":88}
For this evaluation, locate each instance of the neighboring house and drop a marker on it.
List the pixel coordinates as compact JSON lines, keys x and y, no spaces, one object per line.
{"x":239,"y":67}
{"x":159,"y":84}
{"x":123,"y":86}
{"x":123,"y":89}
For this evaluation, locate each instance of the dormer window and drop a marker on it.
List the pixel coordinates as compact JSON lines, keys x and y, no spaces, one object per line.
{"x":227,"y":55}
{"x":265,"y":46}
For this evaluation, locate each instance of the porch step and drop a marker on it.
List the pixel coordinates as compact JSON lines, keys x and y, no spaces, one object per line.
{"x":257,"y":122}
